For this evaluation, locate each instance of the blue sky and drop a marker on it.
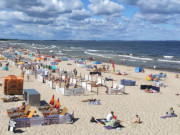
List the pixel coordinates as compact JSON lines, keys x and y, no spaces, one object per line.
{"x":90,"y":19}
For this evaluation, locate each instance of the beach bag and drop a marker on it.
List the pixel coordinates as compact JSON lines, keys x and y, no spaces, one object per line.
{"x":92,"y":119}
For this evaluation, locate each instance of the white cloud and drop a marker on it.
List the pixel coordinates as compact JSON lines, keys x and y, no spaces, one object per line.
{"x":105,"y":7}
{"x":69,"y":19}
{"x":156,"y":6}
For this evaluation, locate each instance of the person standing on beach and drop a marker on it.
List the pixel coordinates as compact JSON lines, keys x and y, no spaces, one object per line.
{"x":28,"y":72}
{"x":75,"y":72}
{"x":107,"y":66}
{"x":22,"y":73}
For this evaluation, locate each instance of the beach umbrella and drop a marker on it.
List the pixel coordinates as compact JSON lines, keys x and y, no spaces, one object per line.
{"x":52,"y":101}
{"x":97,"y":62}
{"x":20,"y":63}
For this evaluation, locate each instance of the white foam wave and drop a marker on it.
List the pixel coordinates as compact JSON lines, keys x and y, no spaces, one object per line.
{"x":76,"y":48}
{"x":125,"y":56}
{"x":172,"y":61}
{"x":141,"y":58}
{"x":168,"y":57}
{"x":132,"y":60}
{"x":97,"y":54}
{"x":90,"y":50}
{"x":130,"y":56}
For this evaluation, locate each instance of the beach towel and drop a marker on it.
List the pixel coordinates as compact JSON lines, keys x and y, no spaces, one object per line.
{"x":109,"y":127}
{"x":164,"y":117}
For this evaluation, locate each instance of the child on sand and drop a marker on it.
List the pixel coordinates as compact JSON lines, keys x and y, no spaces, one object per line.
{"x":137,"y":120}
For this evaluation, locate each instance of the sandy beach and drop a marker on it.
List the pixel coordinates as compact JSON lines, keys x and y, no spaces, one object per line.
{"x":149,"y":106}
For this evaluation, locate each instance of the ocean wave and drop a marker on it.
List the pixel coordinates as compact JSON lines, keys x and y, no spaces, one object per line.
{"x":97,"y":54}
{"x":132,"y":60}
{"x":168,"y":57}
{"x":125,"y":56}
{"x":77,"y":48}
{"x":172,"y":61}
{"x":72,"y":50}
{"x":131,"y":56}
{"x":89,"y":50}
{"x":141,"y":58}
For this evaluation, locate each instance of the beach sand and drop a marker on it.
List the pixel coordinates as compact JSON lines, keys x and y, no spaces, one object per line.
{"x":149,"y":106}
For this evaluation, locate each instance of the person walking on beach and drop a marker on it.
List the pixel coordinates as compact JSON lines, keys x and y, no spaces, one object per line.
{"x":22,"y":73}
{"x":108,"y":67}
{"x":28,"y":72}
{"x":75,"y":72}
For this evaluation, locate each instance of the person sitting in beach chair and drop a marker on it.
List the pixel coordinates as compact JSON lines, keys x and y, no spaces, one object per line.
{"x":22,"y":107}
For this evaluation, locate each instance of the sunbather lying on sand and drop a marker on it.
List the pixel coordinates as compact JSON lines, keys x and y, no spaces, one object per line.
{"x":150,"y":91}
{"x":20,"y":108}
{"x":87,"y":100}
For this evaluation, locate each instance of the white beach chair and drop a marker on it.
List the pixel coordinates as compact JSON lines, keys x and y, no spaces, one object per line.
{"x":84,"y":85}
{"x":90,"y":78}
{"x":99,"y":81}
{"x":86,"y":77}
{"x":89,"y":87}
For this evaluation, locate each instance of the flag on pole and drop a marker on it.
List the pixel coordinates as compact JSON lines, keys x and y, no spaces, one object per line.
{"x":113,"y":65}
{"x":57,"y":105}
{"x":52,"y":101}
